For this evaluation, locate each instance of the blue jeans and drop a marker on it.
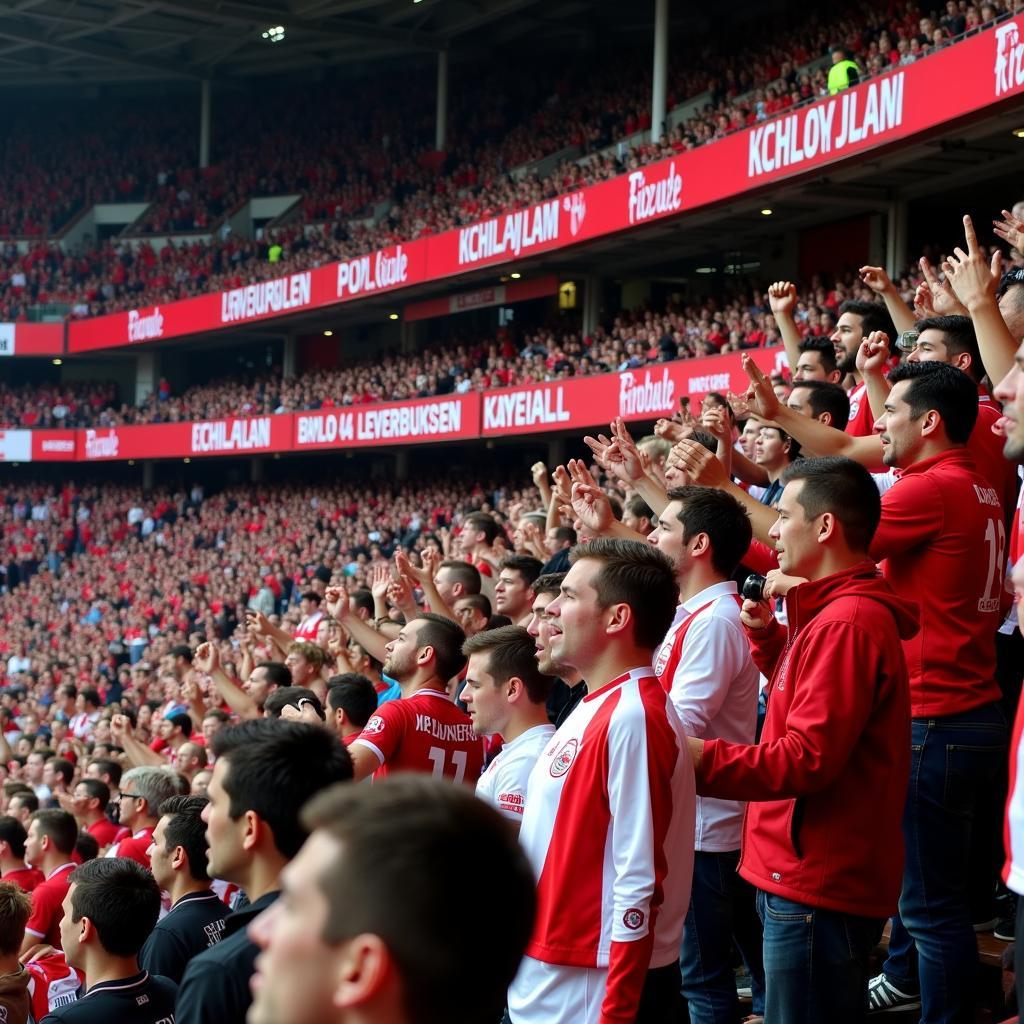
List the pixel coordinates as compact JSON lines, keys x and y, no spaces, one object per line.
{"x":721,"y":912}
{"x":815,"y":962}
{"x":932,"y":946}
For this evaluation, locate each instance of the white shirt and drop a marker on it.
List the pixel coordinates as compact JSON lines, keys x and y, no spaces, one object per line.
{"x":503,"y":782}
{"x":714,"y":691}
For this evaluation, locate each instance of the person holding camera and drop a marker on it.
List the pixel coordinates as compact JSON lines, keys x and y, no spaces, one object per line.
{"x":822,"y":840}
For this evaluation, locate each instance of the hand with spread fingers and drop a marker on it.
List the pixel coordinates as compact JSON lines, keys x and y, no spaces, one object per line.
{"x":973,"y":278}
{"x":697,"y":464}
{"x":935,"y":297}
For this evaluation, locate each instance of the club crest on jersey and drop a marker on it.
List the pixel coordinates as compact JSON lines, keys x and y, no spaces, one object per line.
{"x":374,"y":726}
{"x":633,"y":919}
{"x":563,"y":759}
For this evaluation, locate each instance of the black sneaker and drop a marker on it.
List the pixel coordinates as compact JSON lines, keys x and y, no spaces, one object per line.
{"x":1006,"y":930}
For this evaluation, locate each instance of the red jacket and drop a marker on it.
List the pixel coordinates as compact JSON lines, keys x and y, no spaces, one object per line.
{"x":828,"y":780}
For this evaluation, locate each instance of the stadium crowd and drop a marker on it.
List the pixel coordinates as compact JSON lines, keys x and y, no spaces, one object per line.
{"x":383,"y":159}
{"x":683,"y":329}
{"x":698,"y":774}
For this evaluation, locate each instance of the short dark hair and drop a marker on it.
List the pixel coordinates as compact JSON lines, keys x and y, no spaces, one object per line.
{"x":637,"y":506}
{"x":482,"y":522}
{"x":825,"y":349}
{"x":219,"y":713}
{"x":513,"y":654}
{"x":13,"y":833}
{"x":843,"y":487}
{"x":959,"y":337}
{"x":464,"y":573}
{"x":310,"y":595}
{"x":527,"y":566}
{"x":549,"y":583}
{"x":564,"y":534}
{"x":91,"y":696}
{"x":362,"y":598}
{"x":274,"y":767}
{"x":704,"y":438}
{"x":277,"y":672}
{"x":478,"y":602}
{"x":87,"y":846}
{"x":873,"y":315}
{"x":354,"y":694}
{"x":181,"y":721}
{"x":15,"y":910}
{"x":285,"y":695}
{"x":720,"y":516}
{"x":122,"y":900}
{"x":446,"y":638}
{"x":97,"y":790}
{"x":28,"y":799}
{"x":62,"y":767}
{"x":182,"y":651}
{"x":824,"y":396}
{"x":944,"y":388}
{"x":60,"y":826}
{"x":637,"y":574}
{"x":186,"y":828}
{"x":109,"y":768}
{"x":392,"y":834}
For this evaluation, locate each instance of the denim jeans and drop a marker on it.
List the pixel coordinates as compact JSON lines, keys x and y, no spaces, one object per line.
{"x":815,"y":962}
{"x":932,"y":946}
{"x":721,"y":912}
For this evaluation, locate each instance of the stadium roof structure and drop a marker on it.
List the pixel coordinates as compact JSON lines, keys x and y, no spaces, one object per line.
{"x":71,"y":42}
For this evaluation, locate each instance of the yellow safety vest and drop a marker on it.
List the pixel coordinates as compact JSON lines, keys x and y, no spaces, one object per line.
{"x":839,"y":76}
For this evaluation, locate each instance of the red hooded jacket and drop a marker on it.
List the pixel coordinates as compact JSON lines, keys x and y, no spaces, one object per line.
{"x":828,"y":780}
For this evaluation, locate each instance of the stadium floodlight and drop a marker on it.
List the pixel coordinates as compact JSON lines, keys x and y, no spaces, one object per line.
{"x":328,"y":334}
{"x":515,"y":275}
{"x":274,"y":34}
{"x":392,"y":316}
{"x":1018,"y":133}
{"x":766,"y":212}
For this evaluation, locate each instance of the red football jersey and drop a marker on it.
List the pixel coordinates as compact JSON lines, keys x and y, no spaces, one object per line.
{"x":104,"y":831}
{"x":943,"y":539}
{"x":24,"y":878}
{"x":425,"y":732}
{"x":47,"y":909}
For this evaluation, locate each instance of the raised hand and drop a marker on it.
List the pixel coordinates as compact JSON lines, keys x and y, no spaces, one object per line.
{"x":562,"y":485}
{"x":876,"y":279}
{"x":873,"y":354}
{"x":973,"y":278}
{"x":761,"y":398}
{"x":1010,"y":229}
{"x":670,"y":430}
{"x":716,"y":422}
{"x":943,"y":300}
{"x":696,"y":464}
{"x":380,"y":579}
{"x":739,"y":405}
{"x":782,"y":298}
{"x":206,"y":659}
{"x":591,"y":506}
{"x":337,"y":602}
{"x":410,"y":572}
{"x":539,"y":472}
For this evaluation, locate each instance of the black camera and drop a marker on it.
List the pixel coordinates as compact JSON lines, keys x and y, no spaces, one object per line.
{"x":753,"y":587}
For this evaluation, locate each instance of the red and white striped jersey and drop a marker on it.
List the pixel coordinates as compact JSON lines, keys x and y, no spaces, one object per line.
{"x":608,"y":828}
{"x":309,"y":627}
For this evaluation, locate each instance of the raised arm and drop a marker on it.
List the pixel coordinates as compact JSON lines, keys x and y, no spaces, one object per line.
{"x":976,"y":281}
